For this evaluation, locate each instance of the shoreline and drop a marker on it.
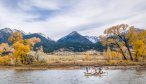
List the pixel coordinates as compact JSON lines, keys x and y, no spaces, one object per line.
{"x":48,"y":67}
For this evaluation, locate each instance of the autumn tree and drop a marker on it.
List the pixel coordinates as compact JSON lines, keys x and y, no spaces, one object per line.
{"x":5,"y":48}
{"x":104,"y":42}
{"x":6,"y":52}
{"x":32,"y":41}
{"x":111,"y":40}
{"x":138,"y":41}
{"x":16,"y":36}
{"x":20,"y":51}
{"x":108,"y":54}
{"x":22,"y":47}
{"x":119,"y":37}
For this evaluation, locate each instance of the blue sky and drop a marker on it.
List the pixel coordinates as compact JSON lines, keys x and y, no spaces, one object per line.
{"x":56,"y":18}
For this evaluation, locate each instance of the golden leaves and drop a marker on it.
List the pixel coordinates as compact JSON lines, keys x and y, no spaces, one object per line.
{"x":21,"y":47}
{"x":4,"y":47}
{"x":117,"y":29}
{"x":33,"y":41}
{"x":16,"y":36}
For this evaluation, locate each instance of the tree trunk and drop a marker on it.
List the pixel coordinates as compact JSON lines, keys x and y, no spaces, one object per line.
{"x":127,"y":46}
{"x":124,"y":57}
{"x":136,"y":58}
{"x":131,"y":58}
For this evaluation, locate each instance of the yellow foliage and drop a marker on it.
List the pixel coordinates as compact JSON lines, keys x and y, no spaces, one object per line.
{"x":5,"y":60}
{"x":138,"y":41}
{"x":22,"y":47}
{"x":33,"y":40}
{"x":87,"y":56}
{"x":4,"y":47}
{"x":16,"y":36}
{"x":108,"y":54}
{"x":1,"y":60}
{"x":113,"y":54}
{"x":21,"y":50}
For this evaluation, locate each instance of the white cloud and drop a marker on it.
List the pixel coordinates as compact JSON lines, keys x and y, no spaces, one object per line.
{"x":43,"y":4}
{"x":89,"y":17}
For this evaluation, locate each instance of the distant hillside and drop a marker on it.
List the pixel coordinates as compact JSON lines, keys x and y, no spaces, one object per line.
{"x":73,"y":41}
{"x":5,"y":34}
{"x":47,"y":43}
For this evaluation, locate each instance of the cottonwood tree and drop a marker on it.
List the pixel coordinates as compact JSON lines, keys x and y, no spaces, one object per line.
{"x":5,"y":48}
{"x":16,"y":36}
{"x":138,"y":41}
{"x":119,"y":37}
{"x":22,"y":47}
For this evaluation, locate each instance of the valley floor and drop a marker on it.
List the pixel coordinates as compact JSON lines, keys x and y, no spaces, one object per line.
{"x":78,"y":62}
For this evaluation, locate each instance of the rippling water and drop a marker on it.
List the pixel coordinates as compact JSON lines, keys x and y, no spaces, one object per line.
{"x":71,"y":77}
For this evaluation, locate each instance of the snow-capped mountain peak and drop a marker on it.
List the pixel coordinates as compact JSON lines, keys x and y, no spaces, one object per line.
{"x":73,"y":33}
{"x":74,"y":37}
{"x":16,"y":30}
{"x":7,"y":30}
{"x":93,"y":39}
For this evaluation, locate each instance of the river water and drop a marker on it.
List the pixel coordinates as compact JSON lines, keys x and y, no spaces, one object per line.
{"x":71,"y":77}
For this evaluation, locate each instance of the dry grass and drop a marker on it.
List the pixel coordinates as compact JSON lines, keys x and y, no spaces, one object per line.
{"x":80,"y":60}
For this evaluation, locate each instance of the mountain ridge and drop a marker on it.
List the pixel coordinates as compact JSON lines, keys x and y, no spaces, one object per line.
{"x":73,"y":41}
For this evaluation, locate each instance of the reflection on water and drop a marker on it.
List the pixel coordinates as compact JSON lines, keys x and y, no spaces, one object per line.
{"x":71,"y":77}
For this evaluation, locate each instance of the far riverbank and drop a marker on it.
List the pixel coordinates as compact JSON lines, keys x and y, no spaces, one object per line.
{"x":51,"y":67}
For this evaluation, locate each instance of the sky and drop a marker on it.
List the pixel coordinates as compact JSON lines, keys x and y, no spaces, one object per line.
{"x":57,"y":18}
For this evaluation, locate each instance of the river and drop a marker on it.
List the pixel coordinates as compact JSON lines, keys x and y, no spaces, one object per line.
{"x":71,"y":77}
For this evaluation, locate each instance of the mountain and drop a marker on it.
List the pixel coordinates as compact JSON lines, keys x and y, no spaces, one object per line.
{"x":74,"y":42}
{"x":6,"y":33}
{"x":15,"y":30}
{"x":93,"y":39}
{"x":47,"y":43}
{"x":6,"y":30}
{"x":74,"y":37}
